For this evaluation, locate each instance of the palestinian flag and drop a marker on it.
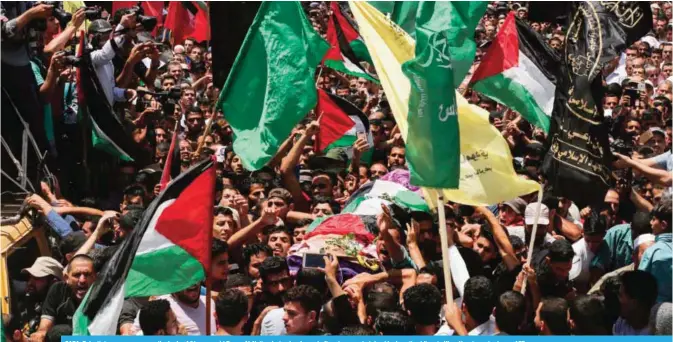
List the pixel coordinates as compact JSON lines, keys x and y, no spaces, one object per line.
{"x":350,"y":237}
{"x":188,"y":19}
{"x":340,"y":124}
{"x":108,"y":132}
{"x":168,"y":251}
{"x":518,"y":70}
{"x":347,"y":50}
{"x":368,"y":198}
{"x":172,"y":163}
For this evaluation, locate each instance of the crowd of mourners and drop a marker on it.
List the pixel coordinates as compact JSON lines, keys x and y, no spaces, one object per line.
{"x":599,"y":270}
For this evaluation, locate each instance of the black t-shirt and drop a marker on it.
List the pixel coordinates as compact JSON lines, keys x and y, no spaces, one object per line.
{"x":60,"y":305}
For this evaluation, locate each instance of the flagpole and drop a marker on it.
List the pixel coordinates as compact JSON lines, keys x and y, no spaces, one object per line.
{"x":209,"y":288}
{"x":445,"y":251}
{"x":317,"y":79}
{"x":532,"y":237}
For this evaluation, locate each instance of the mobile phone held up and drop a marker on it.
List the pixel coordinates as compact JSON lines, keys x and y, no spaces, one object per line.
{"x":313,"y":260}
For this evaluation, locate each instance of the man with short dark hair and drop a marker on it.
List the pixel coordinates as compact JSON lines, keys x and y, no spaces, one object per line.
{"x":423,"y":302}
{"x":157,"y":318}
{"x":553,"y":270}
{"x":276,"y":279}
{"x":394,"y":323}
{"x":478,"y":304}
{"x":657,"y":259}
{"x":551,"y":317}
{"x":279,"y":239}
{"x":637,"y":295}
{"x":510,"y":313}
{"x":253,"y":256}
{"x":587,"y":316}
{"x":397,"y":157}
{"x":219,"y":264}
{"x":231,"y":309}
{"x":302,"y":309}
{"x":64,"y":297}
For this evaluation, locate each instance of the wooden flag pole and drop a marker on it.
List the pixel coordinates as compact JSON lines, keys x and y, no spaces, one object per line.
{"x":445,"y":251}
{"x":532,"y":237}
{"x":209,"y":288}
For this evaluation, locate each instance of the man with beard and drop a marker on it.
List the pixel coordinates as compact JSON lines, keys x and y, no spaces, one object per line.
{"x":276,"y":280}
{"x":194,"y":120}
{"x":189,"y":308}
{"x":64,"y":297}
{"x":44,"y":272}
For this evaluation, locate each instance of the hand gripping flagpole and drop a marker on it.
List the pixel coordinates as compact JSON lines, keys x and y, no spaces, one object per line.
{"x":445,"y":251}
{"x":532,"y":237}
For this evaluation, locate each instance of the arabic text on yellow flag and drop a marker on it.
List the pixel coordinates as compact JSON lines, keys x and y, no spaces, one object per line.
{"x":486,"y":172}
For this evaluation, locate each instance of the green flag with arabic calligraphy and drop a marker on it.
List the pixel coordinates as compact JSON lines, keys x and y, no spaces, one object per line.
{"x":433,"y":141}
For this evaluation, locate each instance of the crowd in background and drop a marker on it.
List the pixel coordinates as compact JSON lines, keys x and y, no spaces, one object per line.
{"x":596,"y":270}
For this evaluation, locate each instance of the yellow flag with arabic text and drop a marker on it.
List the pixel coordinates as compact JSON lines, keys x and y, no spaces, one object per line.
{"x":486,"y":172}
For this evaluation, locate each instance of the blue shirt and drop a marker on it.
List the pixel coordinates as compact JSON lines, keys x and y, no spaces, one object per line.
{"x":657,"y":261}
{"x":616,"y":250}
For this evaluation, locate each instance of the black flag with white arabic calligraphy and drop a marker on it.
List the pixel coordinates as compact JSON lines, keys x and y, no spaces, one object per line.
{"x":578,"y":162}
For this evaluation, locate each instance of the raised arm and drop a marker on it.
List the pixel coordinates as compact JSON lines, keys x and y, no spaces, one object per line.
{"x":268,"y":218}
{"x":289,"y":163}
{"x":501,"y":239}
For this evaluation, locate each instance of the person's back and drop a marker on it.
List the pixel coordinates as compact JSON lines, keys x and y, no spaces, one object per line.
{"x":231,"y":309}
{"x":551,"y":317}
{"x":394,"y":323}
{"x":423,"y":302}
{"x":637,"y":296}
{"x":478,"y":304}
{"x":510,"y":312}
{"x":587,"y":316}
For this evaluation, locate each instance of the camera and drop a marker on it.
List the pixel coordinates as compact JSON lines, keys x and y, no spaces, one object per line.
{"x":168,"y":99}
{"x":92,"y":13}
{"x":147,"y":22}
{"x":58,"y":12}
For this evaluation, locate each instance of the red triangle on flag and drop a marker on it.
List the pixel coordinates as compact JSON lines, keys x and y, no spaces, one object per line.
{"x":334,"y":122}
{"x":503,"y":53}
{"x":183,"y":24}
{"x":188,"y":221}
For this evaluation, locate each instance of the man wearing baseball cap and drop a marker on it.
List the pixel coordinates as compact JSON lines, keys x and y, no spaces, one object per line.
{"x":44,"y":272}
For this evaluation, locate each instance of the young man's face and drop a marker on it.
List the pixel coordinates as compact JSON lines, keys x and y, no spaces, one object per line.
{"x":396,"y":157}
{"x":278,"y":205}
{"x":280,"y":243}
{"x":485,"y":249}
{"x":190,"y":295}
{"x":37,"y":286}
{"x":277,"y":284}
{"x":171,"y":323}
{"x":322,"y":210}
{"x":322,"y":186}
{"x":220,"y":267}
{"x":297,"y":320}
{"x":255,"y":261}
{"x":194,"y":122}
{"x":237,"y":165}
{"x":560,"y":269}
{"x":224,"y":226}
{"x":299,"y":233}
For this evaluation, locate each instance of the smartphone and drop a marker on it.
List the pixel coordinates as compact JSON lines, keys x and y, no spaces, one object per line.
{"x":362,"y":135}
{"x":633,"y":95}
{"x":313,"y":260}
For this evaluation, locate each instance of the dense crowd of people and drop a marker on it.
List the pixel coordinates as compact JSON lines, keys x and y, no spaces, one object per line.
{"x":599,"y":270}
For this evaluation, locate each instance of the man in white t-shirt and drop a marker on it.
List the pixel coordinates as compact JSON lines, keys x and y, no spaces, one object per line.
{"x":190,"y":310}
{"x":585,"y":248}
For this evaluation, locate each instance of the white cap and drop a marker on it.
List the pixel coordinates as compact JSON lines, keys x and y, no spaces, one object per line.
{"x":641,"y":239}
{"x":531,"y":210}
